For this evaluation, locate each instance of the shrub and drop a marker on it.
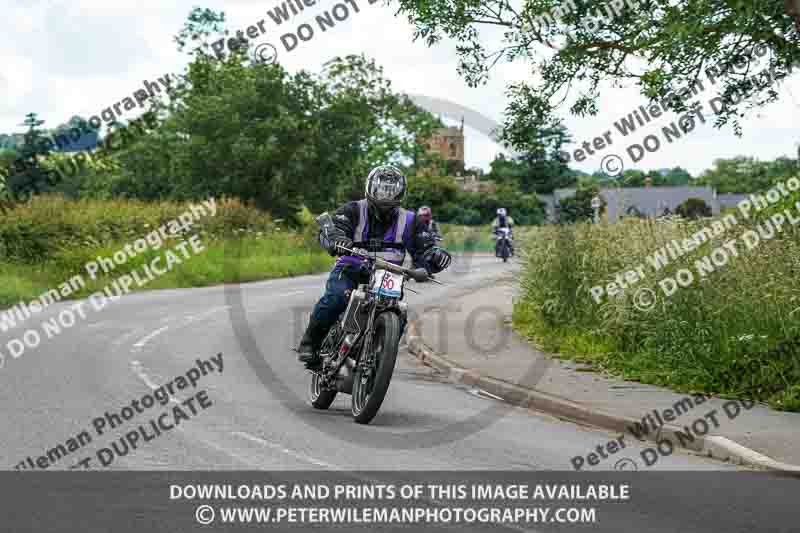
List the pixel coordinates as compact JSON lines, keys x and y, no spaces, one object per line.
{"x":693,"y":208}
{"x":44,"y":226}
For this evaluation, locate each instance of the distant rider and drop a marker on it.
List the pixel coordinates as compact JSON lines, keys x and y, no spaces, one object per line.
{"x":375,"y":223}
{"x":502,"y":221}
{"x":425,"y":216}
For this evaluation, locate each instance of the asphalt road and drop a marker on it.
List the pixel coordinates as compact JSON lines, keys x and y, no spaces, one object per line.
{"x":259,"y":417}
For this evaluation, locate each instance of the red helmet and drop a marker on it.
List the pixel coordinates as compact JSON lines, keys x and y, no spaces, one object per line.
{"x":424,"y":214}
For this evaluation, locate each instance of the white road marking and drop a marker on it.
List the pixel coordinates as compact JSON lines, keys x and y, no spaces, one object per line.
{"x":291,"y":294}
{"x":137,"y":368}
{"x":482,"y":392}
{"x":193,"y":318}
{"x":285,"y":450}
{"x":144,"y":340}
{"x":125,"y":336}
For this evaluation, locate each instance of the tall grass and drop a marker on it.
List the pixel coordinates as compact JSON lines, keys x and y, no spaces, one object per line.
{"x":735,"y":331}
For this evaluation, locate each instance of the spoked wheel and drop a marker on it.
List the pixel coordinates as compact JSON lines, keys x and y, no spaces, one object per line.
{"x":321,"y":398}
{"x":369,"y":388}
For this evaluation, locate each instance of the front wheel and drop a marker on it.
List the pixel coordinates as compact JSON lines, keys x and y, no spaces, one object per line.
{"x":370,"y":390}
{"x":321,"y":397}
{"x":505,"y":251}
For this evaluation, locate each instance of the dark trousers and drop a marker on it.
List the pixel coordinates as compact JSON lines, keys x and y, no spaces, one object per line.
{"x":331,"y":305}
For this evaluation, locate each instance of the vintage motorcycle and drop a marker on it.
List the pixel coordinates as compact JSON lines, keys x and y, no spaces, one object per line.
{"x":504,"y":243}
{"x":360,"y":350}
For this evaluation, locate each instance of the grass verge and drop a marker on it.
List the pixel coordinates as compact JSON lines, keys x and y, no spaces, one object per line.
{"x":50,"y":240}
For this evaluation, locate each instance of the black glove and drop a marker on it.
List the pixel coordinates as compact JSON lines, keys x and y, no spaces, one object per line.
{"x":438,"y":259}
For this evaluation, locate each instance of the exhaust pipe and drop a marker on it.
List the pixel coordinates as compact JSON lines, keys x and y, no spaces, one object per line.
{"x":344,"y":379}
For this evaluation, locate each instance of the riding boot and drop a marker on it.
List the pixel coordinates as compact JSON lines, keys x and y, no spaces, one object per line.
{"x":307,"y":350}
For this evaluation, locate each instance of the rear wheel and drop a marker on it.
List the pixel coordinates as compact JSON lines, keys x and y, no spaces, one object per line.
{"x":369,"y":389}
{"x":321,"y":398}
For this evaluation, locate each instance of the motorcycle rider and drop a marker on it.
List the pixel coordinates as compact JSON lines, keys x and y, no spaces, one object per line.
{"x":375,"y":223}
{"x":502,"y":221}
{"x":425,"y":216}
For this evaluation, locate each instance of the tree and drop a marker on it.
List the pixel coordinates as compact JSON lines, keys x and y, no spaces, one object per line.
{"x":27,"y":176}
{"x":676,"y":176}
{"x":578,"y":207}
{"x":663,"y":46}
{"x":67,"y":140}
{"x":506,"y":170}
{"x":746,"y":174}
{"x":529,"y":174}
{"x":434,"y":191}
{"x":279,"y":140}
{"x":693,"y":208}
{"x":369,"y":121}
{"x":540,"y":139}
{"x":633,"y":178}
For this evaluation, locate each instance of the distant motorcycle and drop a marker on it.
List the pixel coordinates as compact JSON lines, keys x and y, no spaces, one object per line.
{"x":503,"y":243}
{"x":360,"y":350}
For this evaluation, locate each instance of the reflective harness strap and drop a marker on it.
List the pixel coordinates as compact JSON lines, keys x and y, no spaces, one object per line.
{"x":358,"y":234}
{"x":388,"y":254}
{"x":401,"y":225}
{"x":396,"y":255}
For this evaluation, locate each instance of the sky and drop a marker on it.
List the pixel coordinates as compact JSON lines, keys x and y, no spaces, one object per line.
{"x":76,"y":57}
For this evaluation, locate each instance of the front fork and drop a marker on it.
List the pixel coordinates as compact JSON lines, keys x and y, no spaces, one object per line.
{"x":367,"y":359}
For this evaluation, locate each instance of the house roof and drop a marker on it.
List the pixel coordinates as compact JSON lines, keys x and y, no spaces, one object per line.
{"x":650,"y":201}
{"x":730,"y":199}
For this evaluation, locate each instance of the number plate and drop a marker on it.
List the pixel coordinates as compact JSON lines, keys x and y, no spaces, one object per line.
{"x":388,"y":283}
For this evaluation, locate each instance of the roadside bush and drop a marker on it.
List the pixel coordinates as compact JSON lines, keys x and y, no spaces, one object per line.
{"x":46,"y":225}
{"x":49,"y":239}
{"x":693,"y":208}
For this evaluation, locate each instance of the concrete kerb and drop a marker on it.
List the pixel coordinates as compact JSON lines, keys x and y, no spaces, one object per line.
{"x":713,"y":446}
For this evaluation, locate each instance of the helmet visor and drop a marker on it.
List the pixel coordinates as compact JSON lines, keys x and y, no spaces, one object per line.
{"x":386,"y":189}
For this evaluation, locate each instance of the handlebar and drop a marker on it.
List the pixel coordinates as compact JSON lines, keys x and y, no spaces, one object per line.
{"x":419,"y":275}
